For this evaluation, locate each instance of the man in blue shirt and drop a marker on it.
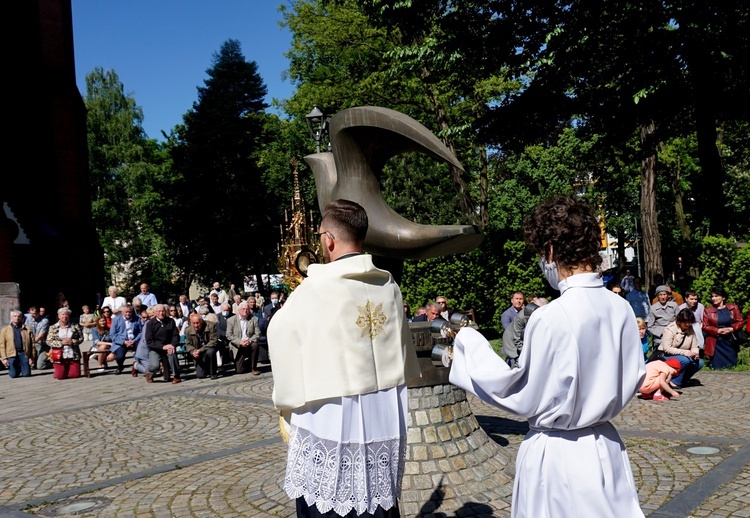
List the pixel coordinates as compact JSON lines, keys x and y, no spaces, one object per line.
{"x":126,"y":332}
{"x":147,"y":299}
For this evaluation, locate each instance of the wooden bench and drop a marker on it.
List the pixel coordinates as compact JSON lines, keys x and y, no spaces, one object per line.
{"x":86,"y":355}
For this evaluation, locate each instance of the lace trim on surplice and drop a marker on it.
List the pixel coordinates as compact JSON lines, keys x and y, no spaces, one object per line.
{"x":344,"y":476}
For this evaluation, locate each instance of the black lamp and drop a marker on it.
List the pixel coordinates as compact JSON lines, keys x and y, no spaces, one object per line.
{"x":317,"y":123}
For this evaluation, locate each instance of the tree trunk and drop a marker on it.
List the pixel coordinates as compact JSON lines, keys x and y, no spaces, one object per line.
{"x":678,"y":207}
{"x":712,"y":175}
{"x":620,"y":252}
{"x":457,"y":176}
{"x":484,"y":215}
{"x":649,"y":219}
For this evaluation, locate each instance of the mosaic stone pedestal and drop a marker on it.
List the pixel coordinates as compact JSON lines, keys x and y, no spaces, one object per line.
{"x":452,"y":466}
{"x":451,"y":463}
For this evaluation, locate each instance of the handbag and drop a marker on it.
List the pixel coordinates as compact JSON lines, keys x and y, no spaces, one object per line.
{"x":738,"y":338}
{"x":55,"y":354}
{"x":656,"y":354}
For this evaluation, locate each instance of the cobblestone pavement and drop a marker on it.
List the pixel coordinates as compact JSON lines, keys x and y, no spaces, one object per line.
{"x":117,"y":446}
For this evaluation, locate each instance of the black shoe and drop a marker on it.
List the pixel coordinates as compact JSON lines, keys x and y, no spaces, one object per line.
{"x":214,"y":377}
{"x":118,"y":371}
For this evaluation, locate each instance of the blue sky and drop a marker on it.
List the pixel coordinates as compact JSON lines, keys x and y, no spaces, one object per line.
{"x":161,"y":49}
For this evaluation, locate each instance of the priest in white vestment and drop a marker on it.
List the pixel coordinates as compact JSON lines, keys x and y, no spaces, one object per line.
{"x":342,"y":354}
{"x":581,"y":363}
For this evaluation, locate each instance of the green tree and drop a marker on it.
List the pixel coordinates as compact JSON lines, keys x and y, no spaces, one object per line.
{"x":220,"y":221}
{"x":128,"y":173}
{"x":661,"y":69}
{"x":341,"y":57}
{"x":714,"y":261}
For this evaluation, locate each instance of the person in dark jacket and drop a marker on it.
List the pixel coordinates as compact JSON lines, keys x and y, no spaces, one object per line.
{"x":202,"y":344}
{"x":162,"y":339}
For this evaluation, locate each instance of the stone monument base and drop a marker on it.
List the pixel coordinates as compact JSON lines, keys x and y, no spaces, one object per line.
{"x":9,"y":300}
{"x":452,"y":465}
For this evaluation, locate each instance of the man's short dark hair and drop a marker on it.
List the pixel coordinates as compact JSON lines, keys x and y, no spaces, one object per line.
{"x":348,"y":218}
{"x":691,"y":293}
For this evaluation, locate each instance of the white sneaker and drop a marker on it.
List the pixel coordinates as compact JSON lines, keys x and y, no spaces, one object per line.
{"x":102,"y":369}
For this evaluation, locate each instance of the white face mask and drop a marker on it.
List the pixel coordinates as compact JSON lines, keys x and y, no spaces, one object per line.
{"x":274,"y":301}
{"x":550,"y":273}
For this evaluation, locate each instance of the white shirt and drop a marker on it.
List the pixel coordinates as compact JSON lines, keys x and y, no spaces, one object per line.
{"x":115,"y":304}
{"x":581,"y":363}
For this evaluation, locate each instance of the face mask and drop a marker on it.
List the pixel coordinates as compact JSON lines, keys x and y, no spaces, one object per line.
{"x":274,"y":301}
{"x":225,"y":313}
{"x":550,"y":273}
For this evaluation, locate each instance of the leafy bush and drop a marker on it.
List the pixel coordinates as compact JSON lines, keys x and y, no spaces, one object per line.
{"x":722,"y":264}
{"x":738,"y":279}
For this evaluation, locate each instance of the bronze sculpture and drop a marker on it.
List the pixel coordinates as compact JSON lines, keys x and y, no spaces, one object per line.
{"x":363,"y":139}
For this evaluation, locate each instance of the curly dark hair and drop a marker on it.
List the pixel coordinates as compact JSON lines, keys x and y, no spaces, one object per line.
{"x":570,"y":225}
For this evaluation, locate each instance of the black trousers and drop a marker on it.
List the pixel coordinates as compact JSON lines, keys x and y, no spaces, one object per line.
{"x":305,"y":511}
{"x":205,"y":364}
{"x":246,"y":358}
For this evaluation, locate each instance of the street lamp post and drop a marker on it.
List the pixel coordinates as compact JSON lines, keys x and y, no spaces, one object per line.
{"x":317,"y":123}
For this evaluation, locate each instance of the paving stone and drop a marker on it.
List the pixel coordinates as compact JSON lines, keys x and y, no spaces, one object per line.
{"x":212,"y":448}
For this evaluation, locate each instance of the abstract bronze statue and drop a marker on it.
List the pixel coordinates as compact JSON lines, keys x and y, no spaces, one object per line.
{"x":363,"y":139}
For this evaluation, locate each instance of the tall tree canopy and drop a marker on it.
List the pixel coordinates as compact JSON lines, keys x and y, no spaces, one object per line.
{"x":219,"y":210}
{"x":128,"y":173}
{"x":658,"y":70}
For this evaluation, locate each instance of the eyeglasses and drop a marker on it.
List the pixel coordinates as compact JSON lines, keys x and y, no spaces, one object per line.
{"x":326,"y":232}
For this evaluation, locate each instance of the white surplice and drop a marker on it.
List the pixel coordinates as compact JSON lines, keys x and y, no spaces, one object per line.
{"x":581,"y":363}
{"x":348,"y":452}
{"x":342,"y":353}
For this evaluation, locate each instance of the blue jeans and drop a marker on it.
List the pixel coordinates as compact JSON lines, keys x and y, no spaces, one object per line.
{"x":689,"y":368}
{"x":19,"y":362}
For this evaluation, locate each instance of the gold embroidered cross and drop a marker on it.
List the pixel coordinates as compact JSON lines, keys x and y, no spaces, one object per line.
{"x":371,"y":319}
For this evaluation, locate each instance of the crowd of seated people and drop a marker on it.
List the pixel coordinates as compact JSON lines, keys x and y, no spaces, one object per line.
{"x":164,"y":339}
{"x":692,"y":334}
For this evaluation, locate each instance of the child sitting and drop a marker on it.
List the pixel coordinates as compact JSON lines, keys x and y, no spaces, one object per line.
{"x":658,"y":374}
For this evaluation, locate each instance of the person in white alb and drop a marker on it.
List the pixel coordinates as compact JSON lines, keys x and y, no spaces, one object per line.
{"x":581,"y":363}
{"x":340,"y":376}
